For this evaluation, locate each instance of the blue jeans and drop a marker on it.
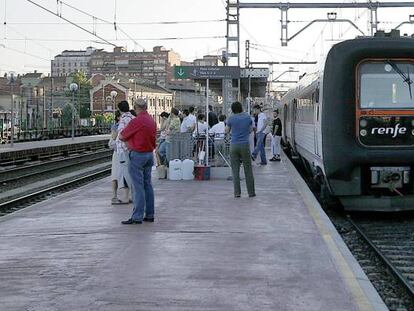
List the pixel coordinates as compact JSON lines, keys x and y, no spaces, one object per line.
{"x":140,"y":167}
{"x":260,"y":148}
{"x":162,"y":150}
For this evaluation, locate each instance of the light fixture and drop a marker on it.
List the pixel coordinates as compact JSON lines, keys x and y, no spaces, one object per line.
{"x":331,"y":16}
{"x":73,"y":87}
{"x":114,"y":94}
{"x":411,"y":18}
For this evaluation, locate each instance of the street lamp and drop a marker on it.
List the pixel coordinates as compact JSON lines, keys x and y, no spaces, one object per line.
{"x":73,"y":88}
{"x":113,"y":97}
{"x":332,"y":16}
{"x":12,"y":80}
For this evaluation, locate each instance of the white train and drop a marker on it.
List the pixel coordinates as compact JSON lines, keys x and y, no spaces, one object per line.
{"x":352,"y":123}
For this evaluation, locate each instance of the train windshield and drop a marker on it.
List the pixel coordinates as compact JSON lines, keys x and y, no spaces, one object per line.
{"x":387,"y":85}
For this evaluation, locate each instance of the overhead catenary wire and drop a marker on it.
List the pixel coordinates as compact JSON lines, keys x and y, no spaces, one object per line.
{"x":114,"y":23}
{"x":70,"y":22}
{"x":127,"y":23}
{"x":23,"y":52}
{"x":147,"y":39}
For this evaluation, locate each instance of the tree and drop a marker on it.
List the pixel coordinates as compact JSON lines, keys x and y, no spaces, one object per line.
{"x":82,"y":95}
{"x":67,"y":115}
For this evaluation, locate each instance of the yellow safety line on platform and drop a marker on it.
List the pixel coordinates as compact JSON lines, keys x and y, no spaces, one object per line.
{"x":357,"y":292}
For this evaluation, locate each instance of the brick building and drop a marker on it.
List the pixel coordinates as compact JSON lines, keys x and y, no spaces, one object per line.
{"x":158,"y":98}
{"x":156,"y":65}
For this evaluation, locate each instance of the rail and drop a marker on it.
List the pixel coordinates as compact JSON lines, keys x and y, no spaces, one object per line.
{"x":34,"y":197}
{"x":394,"y":270}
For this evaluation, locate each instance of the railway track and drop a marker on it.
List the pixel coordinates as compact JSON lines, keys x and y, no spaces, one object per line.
{"x":25,"y":200}
{"x":393,"y":242}
{"x":15,"y":174}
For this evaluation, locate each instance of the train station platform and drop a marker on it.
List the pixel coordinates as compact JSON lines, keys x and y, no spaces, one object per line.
{"x":205,"y":251}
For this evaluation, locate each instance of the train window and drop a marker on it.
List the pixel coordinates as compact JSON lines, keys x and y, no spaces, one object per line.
{"x":386,"y":85}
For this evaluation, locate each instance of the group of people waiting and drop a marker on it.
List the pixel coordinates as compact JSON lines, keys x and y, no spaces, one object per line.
{"x":133,"y":140}
{"x":186,"y":122}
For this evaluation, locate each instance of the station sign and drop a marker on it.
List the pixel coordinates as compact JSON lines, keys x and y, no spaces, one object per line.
{"x":254,"y":73}
{"x":206,"y":72}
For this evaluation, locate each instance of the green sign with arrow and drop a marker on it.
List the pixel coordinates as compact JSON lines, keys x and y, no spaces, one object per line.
{"x":206,"y":72}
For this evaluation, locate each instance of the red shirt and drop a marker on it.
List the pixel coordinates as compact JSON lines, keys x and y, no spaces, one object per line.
{"x":140,"y":133}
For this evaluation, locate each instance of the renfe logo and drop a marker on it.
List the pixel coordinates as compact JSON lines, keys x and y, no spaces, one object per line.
{"x":394,"y":131}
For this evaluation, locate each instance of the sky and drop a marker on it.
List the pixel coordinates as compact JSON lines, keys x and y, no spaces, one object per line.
{"x":31,"y":36}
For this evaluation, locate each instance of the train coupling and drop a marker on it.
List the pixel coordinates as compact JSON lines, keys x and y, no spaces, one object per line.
{"x":390,"y":177}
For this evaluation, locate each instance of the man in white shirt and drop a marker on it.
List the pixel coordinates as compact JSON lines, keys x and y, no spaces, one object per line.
{"x":201,"y":126}
{"x":219,"y":131}
{"x":260,"y":135}
{"x":191,"y":117}
{"x":186,"y":125}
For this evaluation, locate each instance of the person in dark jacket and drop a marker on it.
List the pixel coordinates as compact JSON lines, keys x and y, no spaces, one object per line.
{"x":276,"y":136}
{"x":212,"y":117}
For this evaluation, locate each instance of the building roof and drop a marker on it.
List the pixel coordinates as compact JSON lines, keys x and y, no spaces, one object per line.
{"x":33,"y":75}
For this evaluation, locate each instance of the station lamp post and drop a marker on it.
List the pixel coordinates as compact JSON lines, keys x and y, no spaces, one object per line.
{"x":114,"y":94}
{"x":332,"y":16}
{"x":73,"y":88}
{"x":12,"y":80}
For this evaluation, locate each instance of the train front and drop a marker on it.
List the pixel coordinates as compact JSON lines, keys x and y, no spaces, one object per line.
{"x":378,"y":165}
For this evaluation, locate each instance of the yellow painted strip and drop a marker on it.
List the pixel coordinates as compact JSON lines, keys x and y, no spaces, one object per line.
{"x":348,"y":276}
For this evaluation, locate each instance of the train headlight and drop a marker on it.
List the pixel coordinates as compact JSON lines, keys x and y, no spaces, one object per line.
{"x":412,"y":132}
{"x":363,"y":132}
{"x":363,"y":123}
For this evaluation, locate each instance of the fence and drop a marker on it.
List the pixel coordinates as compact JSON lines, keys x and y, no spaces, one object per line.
{"x":185,"y":146}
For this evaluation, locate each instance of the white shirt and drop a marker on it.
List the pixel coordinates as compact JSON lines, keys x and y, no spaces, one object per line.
{"x":218,"y":130}
{"x":126,"y":117}
{"x":192,"y":118}
{"x":261,"y":122}
{"x":200,"y":129}
{"x":187,"y":124}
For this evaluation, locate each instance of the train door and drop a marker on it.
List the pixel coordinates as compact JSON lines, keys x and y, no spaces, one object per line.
{"x":292,"y":122}
{"x":284,"y":125}
{"x":317,"y":118}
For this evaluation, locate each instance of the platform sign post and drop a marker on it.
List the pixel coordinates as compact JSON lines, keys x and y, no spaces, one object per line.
{"x":207,"y":137}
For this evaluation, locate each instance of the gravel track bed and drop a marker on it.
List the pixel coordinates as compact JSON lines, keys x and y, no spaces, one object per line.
{"x":44,"y":176}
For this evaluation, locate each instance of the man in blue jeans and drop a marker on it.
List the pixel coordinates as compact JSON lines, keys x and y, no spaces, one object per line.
{"x":260,"y":135}
{"x":140,"y":135}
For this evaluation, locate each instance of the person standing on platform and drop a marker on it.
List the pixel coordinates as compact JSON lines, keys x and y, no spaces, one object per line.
{"x":162,"y":151}
{"x":115,"y":169}
{"x":173,"y":127}
{"x":140,"y":135}
{"x":276,"y":136}
{"x":212,"y":117}
{"x":201,"y":126}
{"x":260,"y":135}
{"x":219,"y":132}
{"x":124,"y":181}
{"x":192,"y":120}
{"x":186,"y":124}
{"x":240,"y":125}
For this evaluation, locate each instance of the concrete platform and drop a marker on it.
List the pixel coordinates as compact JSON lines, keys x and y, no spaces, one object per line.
{"x":206,"y":251}
{"x":52,"y":143}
